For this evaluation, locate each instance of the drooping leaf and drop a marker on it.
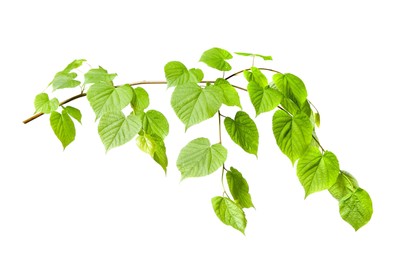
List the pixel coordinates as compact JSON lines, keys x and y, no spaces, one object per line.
{"x":116,"y":129}
{"x":229,"y":213}
{"x":293,"y":134}
{"x":231,"y":96}
{"x":98,"y":75}
{"x":64,"y":80}
{"x":344,"y":185}
{"x":264,"y":99}
{"x":317,"y":119}
{"x":198,"y":74}
{"x":155,"y":123}
{"x":200,"y":158}
{"x":356,"y":208}
{"x":255,"y":55}
{"x":243,"y":131}
{"x":74,"y":112}
{"x":63,"y":127}
{"x":104,"y":97}
{"x":317,"y":171}
{"x":239,"y":188}
{"x":44,"y":105}
{"x":291,"y":86}
{"x":140,"y":100}
{"x":177,"y":74}
{"x":193,"y":104}
{"x":216,"y":58}
{"x":154,"y":146}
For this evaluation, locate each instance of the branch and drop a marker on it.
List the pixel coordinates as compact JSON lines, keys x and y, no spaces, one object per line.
{"x":60,"y":104}
{"x":160,"y":82}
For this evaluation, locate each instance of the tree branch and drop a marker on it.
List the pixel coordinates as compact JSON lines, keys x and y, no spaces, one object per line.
{"x":160,"y":82}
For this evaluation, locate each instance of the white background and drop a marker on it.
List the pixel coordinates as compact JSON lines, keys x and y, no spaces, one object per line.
{"x":84,"y":204}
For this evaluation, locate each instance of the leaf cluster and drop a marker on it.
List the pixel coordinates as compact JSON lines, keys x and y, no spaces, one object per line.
{"x":123,"y":114}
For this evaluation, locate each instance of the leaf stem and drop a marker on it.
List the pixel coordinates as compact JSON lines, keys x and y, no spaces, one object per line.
{"x":317,"y":141}
{"x":219,"y":127}
{"x":241,"y":71}
{"x":222,"y":181}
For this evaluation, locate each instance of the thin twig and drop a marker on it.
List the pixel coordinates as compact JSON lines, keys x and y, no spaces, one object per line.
{"x":241,"y":71}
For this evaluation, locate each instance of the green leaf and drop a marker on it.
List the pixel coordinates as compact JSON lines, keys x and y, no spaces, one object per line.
{"x":63,"y":127}
{"x":74,"y":65}
{"x":239,"y":188}
{"x":293,"y":134}
{"x":193,"y":104}
{"x":292,"y":87}
{"x":154,"y":146}
{"x":259,"y":77}
{"x":317,"y":171}
{"x":140,"y":100}
{"x":116,"y":129}
{"x":98,"y":75}
{"x":177,"y":74}
{"x":231,"y":96}
{"x":216,"y":57}
{"x":264,"y":99}
{"x":255,"y":55}
{"x":344,"y":185}
{"x":198,"y":74}
{"x":356,"y":208}
{"x":44,"y":105}
{"x":155,"y":123}
{"x":74,"y":112}
{"x":104,"y":97}
{"x":243,"y":131}
{"x":200,"y":158}
{"x":317,"y":119}
{"x":229,"y":213}
{"x":64,"y":80}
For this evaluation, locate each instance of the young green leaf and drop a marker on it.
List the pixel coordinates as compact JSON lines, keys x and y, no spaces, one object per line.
{"x":243,"y":131}
{"x":104,"y":97}
{"x":44,"y":105}
{"x":193,"y":104}
{"x":140,"y":100}
{"x":63,"y":127}
{"x":155,"y":123}
{"x":229,"y":213}
{"x":200,"y":158}
{"x":154,"y":146}
{"x":98,"y":75}
{"x":74,"y":65}
{"x":216,"y":57}
{"x":116,"y":129}
{"x":264,"y":99}
{"x":64,"y":80}
{"x":197,"y":73}
{"x":356,"y":208}
{"x":231,"y":96}
{"x":344,"y":185}
{"x":292,"y":87}
{"x":239,"y":188}
{"x":258,"y":77}
{"x":317,"y":119}
{"x":293,"y":134}
{"x":176,"y":74}
{"x":317,"y":171}
{"x":255,"y":55}
{"x":74,"y":112}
